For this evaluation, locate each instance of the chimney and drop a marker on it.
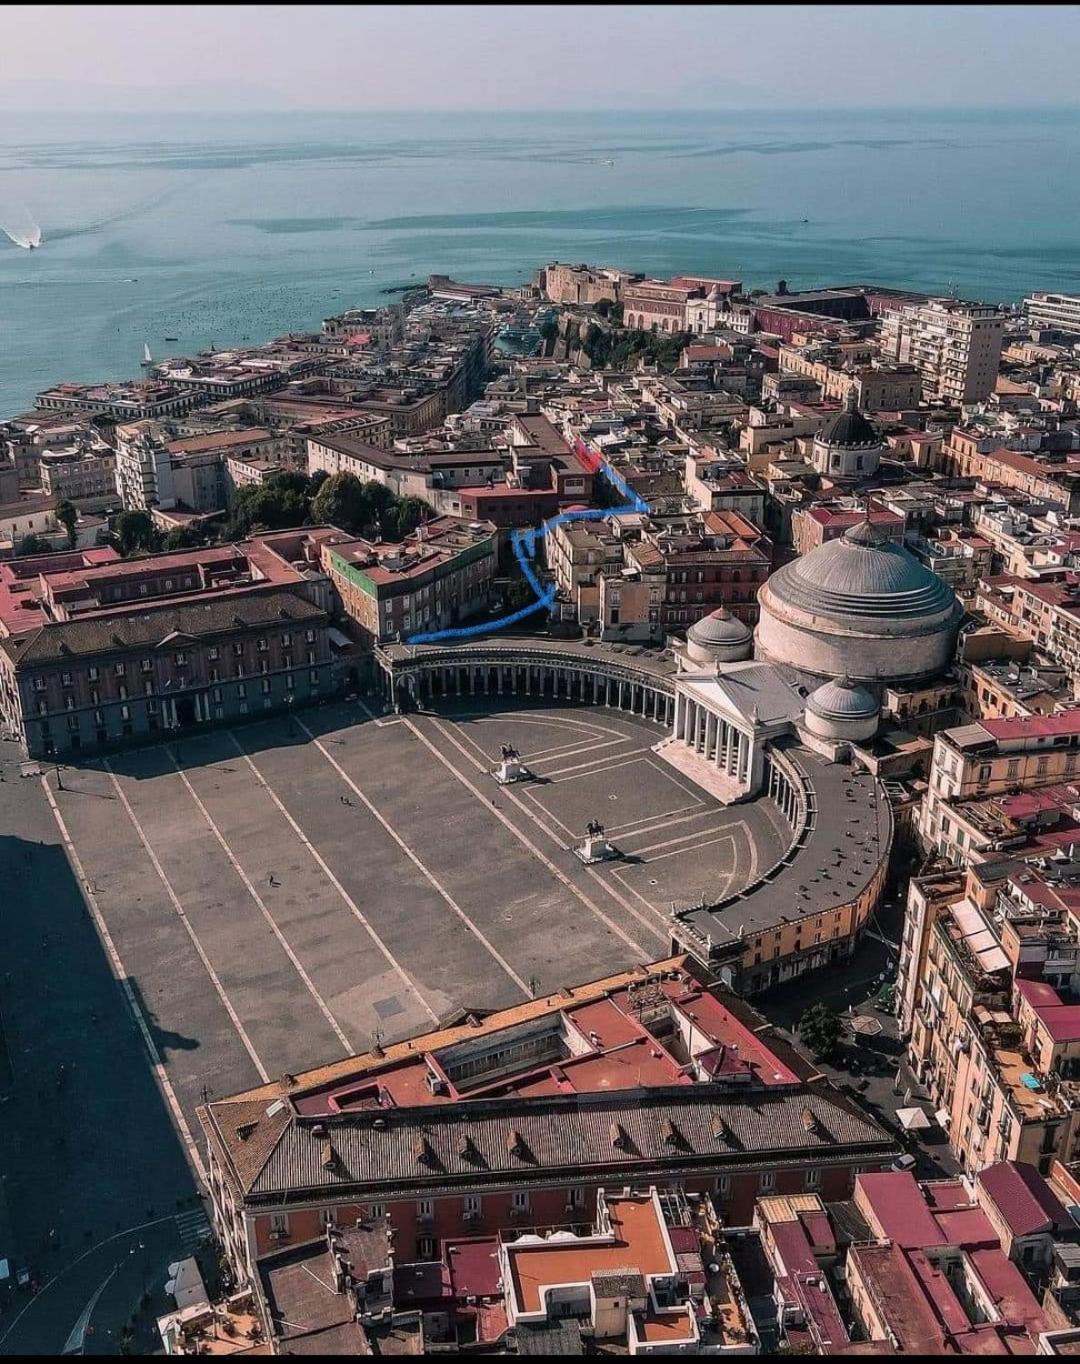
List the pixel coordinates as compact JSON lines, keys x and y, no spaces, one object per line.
{"x":720,"y":1129}
{"x":424,"y":1152}
{"x":670,"y":1133}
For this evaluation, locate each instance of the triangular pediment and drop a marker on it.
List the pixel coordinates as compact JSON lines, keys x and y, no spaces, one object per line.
{"x":175,"y":637}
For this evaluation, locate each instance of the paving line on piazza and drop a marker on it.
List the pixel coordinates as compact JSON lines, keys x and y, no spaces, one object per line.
{"x":123,"y":979}
{"x":555,"y":720}
{"x":418,"y":863}
{"x":357,"y":913}
{"x":727,"y":837}
{"x":181,"y":913}
{"x":609,"y":763}
{"x":309,"y":984}
{"x":652,"y":823}
{"x":513,"y":798}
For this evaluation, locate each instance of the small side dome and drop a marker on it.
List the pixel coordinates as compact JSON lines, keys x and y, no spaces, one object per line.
{"x":841,"y":709}
{"x":848,"y":427}
{"x":719,"y":637}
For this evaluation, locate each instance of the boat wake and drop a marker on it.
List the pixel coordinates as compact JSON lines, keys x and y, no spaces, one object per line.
{"x":20,"y":228}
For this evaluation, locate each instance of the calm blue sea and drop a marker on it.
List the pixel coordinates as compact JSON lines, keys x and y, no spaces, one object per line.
{"x":230,"y":228}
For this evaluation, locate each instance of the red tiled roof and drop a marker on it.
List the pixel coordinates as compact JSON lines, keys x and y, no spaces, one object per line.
{"x":1033,"y":726}
{"x":1038,"y":993}
{"x":899,"y":1208}
{"x":1024,"y":1199}
{"x":474,"y":1268}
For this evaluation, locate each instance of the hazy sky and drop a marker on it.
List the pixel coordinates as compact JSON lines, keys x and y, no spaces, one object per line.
{"x":535,"y":56}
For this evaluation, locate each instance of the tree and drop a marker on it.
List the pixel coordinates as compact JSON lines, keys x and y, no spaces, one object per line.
{"x":281,"y":501}
{"x":184,"y":537}
{"x":134,"y":530}
{"x":315,"y":482}
{"x":406,"y":516}
{"x":820,"y":1029}
{"x":68,"y":518}
{"x":342,"y":501}
{"x":33,"y":544}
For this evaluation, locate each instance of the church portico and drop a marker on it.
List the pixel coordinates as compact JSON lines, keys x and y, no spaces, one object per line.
{"x":723,"y":720}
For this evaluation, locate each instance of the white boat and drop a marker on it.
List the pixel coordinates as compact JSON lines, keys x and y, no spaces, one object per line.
{"x":147,"y":358}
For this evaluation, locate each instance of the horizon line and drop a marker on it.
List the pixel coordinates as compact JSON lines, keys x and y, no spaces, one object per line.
{"x":564,"y":112}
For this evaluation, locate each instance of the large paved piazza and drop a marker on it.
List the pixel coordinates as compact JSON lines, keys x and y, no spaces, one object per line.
{"x":283,"y":892}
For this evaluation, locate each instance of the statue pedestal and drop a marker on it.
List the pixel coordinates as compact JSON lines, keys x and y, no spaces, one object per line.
{"x":595,"y":849}
{"x":511,"y":770}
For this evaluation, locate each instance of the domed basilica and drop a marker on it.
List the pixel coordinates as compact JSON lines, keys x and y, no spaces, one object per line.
{"x":858,"y":607}
{"x":837,"y":627}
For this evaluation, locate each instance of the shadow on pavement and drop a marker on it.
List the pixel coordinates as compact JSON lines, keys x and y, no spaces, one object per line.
{"x":87,"y":1143}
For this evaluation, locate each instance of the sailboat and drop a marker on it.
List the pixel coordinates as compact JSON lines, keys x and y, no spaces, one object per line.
{"x":147,"y":358}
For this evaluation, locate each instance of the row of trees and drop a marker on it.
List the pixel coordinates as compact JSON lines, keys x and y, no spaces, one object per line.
{"x":284,"y":500}
{"x":359,"y":507}
{"x":622,"y":349}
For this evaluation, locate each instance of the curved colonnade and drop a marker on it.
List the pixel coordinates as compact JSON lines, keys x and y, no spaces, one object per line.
{"x":755,"y":936}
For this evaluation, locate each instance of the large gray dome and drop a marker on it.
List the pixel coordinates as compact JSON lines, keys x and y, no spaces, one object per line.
{"x":861,"y":574}
{"x":858,"y":605}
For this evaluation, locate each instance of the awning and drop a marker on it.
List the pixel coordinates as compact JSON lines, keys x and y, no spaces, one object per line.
{"x":865,"y":1025}
{"x":942,"y":1118}
{"x":912,"y":1119}
{"x":338,"y":640}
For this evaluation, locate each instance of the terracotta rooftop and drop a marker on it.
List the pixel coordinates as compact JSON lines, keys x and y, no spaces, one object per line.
{"x":638,"y":1242}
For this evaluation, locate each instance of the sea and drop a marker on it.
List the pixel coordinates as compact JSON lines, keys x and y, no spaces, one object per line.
{"x":220,"y":229}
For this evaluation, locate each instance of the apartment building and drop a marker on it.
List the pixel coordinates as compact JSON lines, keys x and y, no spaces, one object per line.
{"x":934,"y":1278}
{"x":955,"y":346}
{"x":77,"y":475}
{"x":989,"y":1032}
{"x":579,"y":555}
{"x":839,"y":369}
{"x":1058,"y":311}
{"x":1050,"y":476}
{"x":1045,"y":611}
{"x":25,"y":439}
{"x":717,"y":558}
{"x":437,"y":578}
{"x":155,"y":469}
{"x":991,"y":758}
{"x":129,"y":400}
{"x":819,"y":522}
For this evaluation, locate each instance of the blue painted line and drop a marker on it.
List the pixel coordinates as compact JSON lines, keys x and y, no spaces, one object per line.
{"x":524,"y":544}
